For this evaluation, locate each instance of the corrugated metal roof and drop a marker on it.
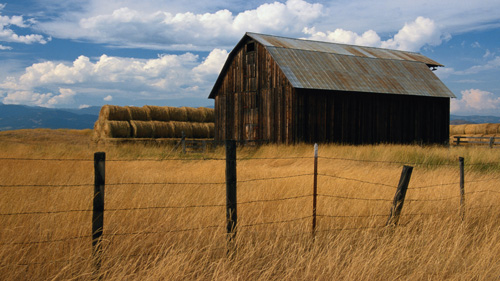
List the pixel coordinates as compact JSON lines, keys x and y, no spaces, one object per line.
{"x":341,"y":49}
{"x":330,"y":71}
{"x":329,"y":66}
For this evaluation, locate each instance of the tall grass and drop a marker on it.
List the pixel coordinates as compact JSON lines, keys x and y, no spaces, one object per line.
{"x":144,"y":242}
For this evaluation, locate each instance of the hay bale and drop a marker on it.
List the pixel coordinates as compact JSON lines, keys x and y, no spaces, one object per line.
{"x":142,"y":129}
{"x":456,"y":130}
{"x":195,"y":114}
{"x":113,"y":112}
{"x":200,"y":130}
{"x":470,"y":129}
{"x":180,"y":127}
{"x":211,"y":129}
{"x":96,"y":134}
{"x":138,"y":113}
{"x":158,"y":113}
{"x":492,"y":129}
{"x":481,"y":128}
{"x":209,"y":114}
{"x":163,"y":129}
{"x":116,"y":129}
{"x":177,"y":114}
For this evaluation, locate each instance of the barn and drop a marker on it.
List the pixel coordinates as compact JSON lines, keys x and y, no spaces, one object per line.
{"x":285,"y":90}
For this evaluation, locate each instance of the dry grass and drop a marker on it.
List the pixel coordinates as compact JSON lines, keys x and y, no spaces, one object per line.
{"x":431,"y":243}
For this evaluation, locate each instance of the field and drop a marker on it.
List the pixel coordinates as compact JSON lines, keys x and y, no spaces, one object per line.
{"x":165,"y":212}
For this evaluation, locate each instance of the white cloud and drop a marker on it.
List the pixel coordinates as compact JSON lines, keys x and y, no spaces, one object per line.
{"x":3,"y":48}
{"x":411,"y":37}
{"x":164,"y":77}
{"x":82,"y":106}
{"x":474,"y":101}
{"x":489,"y":65}
{"x":368,"y":38}
{"x":7,"y":34}
{"x":65,"y":96}
{"x":161,"y":29}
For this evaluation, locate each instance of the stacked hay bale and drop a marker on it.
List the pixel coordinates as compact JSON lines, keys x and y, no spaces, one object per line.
{"x":475,"y":130}
{"x":154,"y":122}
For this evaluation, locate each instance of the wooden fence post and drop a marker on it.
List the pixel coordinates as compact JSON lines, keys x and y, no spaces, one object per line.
{"x":315,"y":190}
{"x":231,"y":203}
{"x":399,"y":197}
{"x":462,"y":188}
{"x":492,"y":141}
{"x":98,"y":208}
{"x":183,"y":141}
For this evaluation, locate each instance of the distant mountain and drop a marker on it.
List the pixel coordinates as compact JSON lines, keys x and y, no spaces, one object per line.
{"x":473,"y":119}
{"x":14,"y":117}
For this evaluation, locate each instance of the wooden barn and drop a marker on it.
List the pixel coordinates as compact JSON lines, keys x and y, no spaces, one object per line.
{"x":285,"y":90}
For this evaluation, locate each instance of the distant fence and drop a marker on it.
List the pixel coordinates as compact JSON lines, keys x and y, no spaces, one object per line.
{"x":492,"y":142}
{"x":231,"y":205}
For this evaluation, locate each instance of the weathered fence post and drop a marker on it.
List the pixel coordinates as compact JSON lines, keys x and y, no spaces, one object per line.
{"x":462,"y":188}
{"x":458,"y":140}
{"x":98,"y":208}
{"x":231,"y":213}
{"x":492,"y":141}
{"x":183,"y":142}
{"x":315,"y":189}
{"x":399,"y":197}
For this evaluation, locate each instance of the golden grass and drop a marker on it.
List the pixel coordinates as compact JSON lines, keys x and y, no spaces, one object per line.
{"x":431,"y":243}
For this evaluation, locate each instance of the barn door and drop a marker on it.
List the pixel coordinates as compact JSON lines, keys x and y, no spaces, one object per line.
{"x":250,"y":116}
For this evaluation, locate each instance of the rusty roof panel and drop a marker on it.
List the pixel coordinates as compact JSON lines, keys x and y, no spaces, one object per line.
{"x":331,"y":71}
{"x":341,"y":49}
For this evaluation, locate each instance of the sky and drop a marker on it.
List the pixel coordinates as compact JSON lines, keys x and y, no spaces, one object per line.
{"x":81,"y":53}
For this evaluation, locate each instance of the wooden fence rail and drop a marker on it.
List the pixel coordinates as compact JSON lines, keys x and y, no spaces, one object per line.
{"x":490,"y":141}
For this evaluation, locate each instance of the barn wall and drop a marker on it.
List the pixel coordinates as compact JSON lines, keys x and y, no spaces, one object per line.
{"x":365,"y":118}
{"x":255,"y":101}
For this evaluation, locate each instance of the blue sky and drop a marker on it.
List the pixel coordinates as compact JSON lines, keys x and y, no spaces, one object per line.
{"x":76,"y":53}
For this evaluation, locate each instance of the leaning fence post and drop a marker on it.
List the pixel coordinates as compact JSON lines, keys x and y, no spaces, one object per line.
{"x":231,"y":214}
{"x":399,"y":197}
{"x":315,"y":189}
{"x":462,"y":188}
{"x":98,"y":208}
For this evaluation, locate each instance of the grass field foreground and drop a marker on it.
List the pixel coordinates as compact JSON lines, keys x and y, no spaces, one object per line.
{"x":157,"y":230}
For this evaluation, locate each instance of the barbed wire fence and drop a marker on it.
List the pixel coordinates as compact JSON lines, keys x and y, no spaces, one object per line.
{"x":231,"y":205}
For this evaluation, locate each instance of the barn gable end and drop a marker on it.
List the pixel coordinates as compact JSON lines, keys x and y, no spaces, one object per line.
{"x":287,"y":90}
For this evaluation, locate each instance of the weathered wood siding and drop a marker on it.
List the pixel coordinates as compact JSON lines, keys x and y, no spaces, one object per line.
{"x":255,"y":100}
{"x":365,"y":118}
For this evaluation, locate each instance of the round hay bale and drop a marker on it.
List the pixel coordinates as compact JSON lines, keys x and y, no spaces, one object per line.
{"x":116,"y":129}
{"x":180,"y":127}
{"x":142,"y":129}
{"x":209,"y":115}
{"x":211,"y":129}
{"x":113,"y":112}
{"x":177,"y":114}
{"x":163,"y":129}
{"x":481,"y":128}
{"x":456,"y":130}
{"x":96,"y":134}
{"x":492,"y":129}
{"x":470,"y":129}
{"x":138,"y":113}
{"x":201,"y":130}
{"x":195,"y":114}
{"x":158,"y":113}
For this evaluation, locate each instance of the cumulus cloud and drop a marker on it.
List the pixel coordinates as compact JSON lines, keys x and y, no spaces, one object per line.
{"x":411,"y":37}
{"x":474,"y":101}
{"x":7,"y":34}
{"x":164,"y":77}
{"x":162,"y":29}
{"x":65,"y":96}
